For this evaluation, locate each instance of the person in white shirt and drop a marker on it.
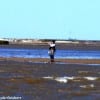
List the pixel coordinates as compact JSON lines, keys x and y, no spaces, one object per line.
{"x":52,"y":50}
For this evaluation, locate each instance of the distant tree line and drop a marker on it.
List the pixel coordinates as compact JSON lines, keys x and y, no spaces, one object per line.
{"x":3,"y":42}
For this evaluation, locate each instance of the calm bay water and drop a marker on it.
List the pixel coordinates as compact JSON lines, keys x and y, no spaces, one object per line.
{"x":43,"y":53}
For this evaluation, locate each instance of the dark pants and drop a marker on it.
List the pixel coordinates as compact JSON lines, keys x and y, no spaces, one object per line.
{"x":52,"y":58}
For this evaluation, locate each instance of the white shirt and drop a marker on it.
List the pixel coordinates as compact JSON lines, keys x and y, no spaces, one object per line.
{"x":52,"y":45}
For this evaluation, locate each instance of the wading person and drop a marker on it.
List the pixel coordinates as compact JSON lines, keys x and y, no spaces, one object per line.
{"x":52,"y":50}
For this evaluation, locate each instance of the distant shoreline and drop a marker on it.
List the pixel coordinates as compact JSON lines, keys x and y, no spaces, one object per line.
{"x":58,"y":46}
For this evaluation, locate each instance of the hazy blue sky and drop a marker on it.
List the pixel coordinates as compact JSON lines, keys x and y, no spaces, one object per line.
{"x":43,"y":19}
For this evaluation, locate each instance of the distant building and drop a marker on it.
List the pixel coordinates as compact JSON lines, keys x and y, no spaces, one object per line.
{"x":69,"y":41}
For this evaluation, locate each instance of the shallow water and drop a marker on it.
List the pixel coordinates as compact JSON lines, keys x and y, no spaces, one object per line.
{"x":43,"y":53}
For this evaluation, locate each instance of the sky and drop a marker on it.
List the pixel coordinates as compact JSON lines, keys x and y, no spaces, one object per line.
{"x":50,"y":19}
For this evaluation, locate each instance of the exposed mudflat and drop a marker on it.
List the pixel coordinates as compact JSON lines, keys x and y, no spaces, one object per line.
{"x":45,"y":81}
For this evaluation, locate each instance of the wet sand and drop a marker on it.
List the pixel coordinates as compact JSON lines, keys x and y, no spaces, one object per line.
{"x":35,"y":79}
{"x":46,"y":60}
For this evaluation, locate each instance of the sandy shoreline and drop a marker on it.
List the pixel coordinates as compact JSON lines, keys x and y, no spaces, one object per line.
{"x":43,"y":60}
